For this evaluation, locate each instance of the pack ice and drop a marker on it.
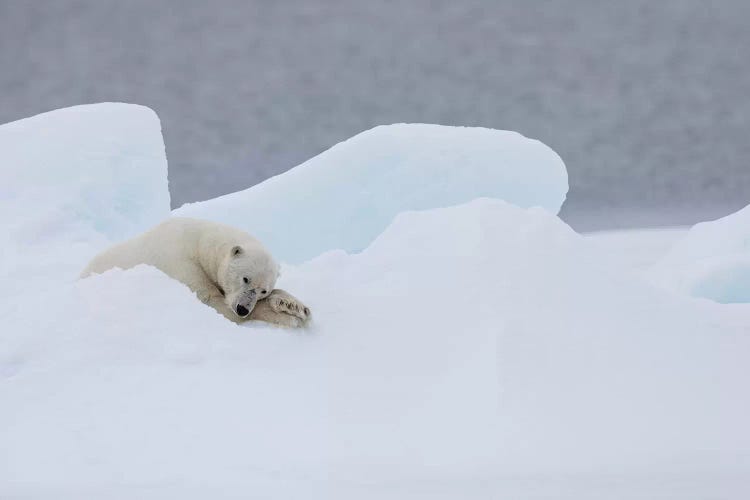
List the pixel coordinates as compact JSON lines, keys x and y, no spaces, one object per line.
{"x":346,"y":196}
{"x":712,"y":261}
{"x":473,"y":350}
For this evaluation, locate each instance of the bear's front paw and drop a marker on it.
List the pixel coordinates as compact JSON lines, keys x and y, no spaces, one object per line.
{"x":282,"y":302}
{"x":204,"y":295}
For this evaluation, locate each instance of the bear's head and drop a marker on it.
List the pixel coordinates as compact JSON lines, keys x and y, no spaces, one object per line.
{"x":247,"y":275}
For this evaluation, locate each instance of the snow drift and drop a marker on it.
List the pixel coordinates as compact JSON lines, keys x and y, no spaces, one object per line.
{"x":475,"y":351}
{"x":346,"y":196}
{"x":712,"y":261}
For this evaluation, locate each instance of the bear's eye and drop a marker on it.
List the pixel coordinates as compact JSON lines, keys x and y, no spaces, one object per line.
{"x":264,"y":291}
{"x":245,"y":280}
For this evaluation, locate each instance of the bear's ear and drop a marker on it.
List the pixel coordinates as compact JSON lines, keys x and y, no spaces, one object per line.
{"x":236,"y":250}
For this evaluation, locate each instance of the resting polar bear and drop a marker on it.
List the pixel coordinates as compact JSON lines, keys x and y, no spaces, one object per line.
{"x":226,"y":268}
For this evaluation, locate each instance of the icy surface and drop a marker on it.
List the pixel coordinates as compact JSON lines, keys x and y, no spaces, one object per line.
{"x":100,"y":166}
{"x":435,"y":364}
{"x":476,"y":351}
{"x":712,"y":261}
{"x":72,"y":181}
{"x":344,"y":197}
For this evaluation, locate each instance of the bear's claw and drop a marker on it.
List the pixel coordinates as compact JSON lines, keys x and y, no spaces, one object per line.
{"x":287,"y":304}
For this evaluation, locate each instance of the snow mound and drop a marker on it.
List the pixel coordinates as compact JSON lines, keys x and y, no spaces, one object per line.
{"x":344,"y":197}
{"x":465,"y":347}
{"x":712,"y":261}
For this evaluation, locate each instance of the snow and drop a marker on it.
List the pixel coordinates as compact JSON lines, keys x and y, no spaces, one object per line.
{"x":712,"y":261}
{"x":78,"y":177}
{"x":346,"y":196}
{"x":481,"y":350}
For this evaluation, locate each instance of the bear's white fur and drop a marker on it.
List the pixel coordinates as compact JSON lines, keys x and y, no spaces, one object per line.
{"x":226,"y":268}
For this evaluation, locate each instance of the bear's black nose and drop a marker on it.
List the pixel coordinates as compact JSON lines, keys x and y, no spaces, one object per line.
{"x":242,"y":311}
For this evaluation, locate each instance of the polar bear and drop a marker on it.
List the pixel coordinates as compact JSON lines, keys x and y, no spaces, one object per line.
{"x":226,"y":268}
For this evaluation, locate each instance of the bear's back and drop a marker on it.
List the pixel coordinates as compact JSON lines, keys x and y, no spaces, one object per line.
{"x":166,"y":244}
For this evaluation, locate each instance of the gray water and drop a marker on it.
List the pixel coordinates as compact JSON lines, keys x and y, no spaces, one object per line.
{"x":646,"y":101}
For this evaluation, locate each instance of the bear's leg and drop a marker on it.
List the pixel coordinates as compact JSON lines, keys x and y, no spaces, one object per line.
{"x":263,"y":312}
{"x":281,"y":308}
{"x":196,"y":279}
{"x":217,"y":302}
